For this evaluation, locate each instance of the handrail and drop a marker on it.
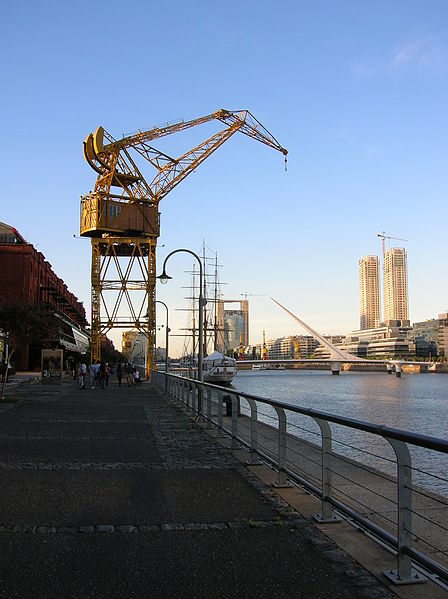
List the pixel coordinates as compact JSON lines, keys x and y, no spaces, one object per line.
{"x":398,"y":440}
{"x":427,"y":441}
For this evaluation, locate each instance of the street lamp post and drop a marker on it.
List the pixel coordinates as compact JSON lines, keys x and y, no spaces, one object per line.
{"x":166,"y":337}
{"x":202,"y":302}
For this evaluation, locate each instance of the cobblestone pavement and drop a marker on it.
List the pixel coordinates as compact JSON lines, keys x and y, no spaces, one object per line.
{"x":117,"y":492}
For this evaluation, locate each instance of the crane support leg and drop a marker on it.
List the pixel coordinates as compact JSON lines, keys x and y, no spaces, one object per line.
{"x":123,"y":290}
{"x":95,"y":335}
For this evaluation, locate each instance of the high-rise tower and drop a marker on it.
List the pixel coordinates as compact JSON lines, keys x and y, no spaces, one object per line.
{"x":369,"y":294}
{"x":395,"y":285}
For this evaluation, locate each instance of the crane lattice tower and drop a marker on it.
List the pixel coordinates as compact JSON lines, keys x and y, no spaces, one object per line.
{"x":121,"y":217}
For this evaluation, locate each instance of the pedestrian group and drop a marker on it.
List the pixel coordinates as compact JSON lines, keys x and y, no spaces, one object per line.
{"x":100,"y":372}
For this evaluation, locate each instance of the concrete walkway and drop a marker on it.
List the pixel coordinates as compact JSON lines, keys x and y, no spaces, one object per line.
{"x":117,"y":492}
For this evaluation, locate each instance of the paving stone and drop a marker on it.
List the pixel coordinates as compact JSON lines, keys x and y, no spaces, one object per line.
{"x":104,"y":528}
{"x":86,"y":529}
{"x":195,"y":526}
{"x":149,"y":528}
{"x":67,"y":529}
{"x":126,"y":528}
{"x":46,"y":529}
{"x":175,"y":526}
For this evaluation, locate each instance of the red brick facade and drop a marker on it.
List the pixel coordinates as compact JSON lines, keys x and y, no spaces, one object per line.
{"x":27,"y":277}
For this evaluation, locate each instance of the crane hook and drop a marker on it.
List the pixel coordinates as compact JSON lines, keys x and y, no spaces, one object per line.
{"x":286,"y":164}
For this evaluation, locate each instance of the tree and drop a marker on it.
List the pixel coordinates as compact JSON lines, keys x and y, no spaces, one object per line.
{"x":27,"y":324}
{"x":109,"y":353}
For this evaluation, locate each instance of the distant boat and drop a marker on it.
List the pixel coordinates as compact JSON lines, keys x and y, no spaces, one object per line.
{"x":258,"y":366}
{"x":219,"y":369}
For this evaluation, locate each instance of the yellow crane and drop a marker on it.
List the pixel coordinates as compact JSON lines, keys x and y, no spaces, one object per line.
{"x":264,"y":349}
{"x":297,"y":351}
{"x":122,"y":219}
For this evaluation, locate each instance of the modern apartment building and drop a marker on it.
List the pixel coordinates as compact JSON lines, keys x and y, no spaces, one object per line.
{"x":442,"y":341}
{"x":369,"y":293}
{"x":386,"y":341}
{"x":395,"y":285}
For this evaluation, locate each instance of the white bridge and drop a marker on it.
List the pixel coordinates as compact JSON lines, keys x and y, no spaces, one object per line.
{"x":337,"y":356}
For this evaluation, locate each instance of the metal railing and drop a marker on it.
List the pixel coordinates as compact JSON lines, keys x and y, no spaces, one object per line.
{"x":384,"y":501}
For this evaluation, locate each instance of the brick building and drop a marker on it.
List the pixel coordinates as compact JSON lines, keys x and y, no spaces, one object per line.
{"x":26,"y":277}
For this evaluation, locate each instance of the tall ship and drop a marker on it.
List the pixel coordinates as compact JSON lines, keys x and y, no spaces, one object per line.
{"x":218,"y":368}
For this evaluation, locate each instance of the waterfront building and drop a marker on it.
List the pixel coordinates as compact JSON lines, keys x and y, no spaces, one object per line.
{"x":27,"y":278}
{"x":442,"y":339}
{"x":307,"y":346}
{"x":426,"y":338}
{"x":286,"y":348}
{"x":322,"y":352}
{"x":395,"y":285}
{"x":387,"y":341}
{"x":369,"y":293}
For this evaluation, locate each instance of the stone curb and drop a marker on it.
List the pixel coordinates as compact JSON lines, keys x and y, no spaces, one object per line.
{"x":133,"y":528}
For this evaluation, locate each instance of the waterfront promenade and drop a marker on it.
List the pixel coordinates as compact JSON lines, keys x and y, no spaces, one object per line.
{"x":117,"y":492}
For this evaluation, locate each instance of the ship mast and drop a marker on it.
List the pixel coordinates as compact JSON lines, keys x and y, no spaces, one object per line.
{"x":215,"y":323}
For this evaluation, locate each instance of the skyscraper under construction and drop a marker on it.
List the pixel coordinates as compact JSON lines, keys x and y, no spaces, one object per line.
{"x":395,"y":285}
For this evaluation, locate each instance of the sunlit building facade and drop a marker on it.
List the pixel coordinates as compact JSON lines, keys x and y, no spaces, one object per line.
{"x":369,"y":293}
{"x":395,"y":285}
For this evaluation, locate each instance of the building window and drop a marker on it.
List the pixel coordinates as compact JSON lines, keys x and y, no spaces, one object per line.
{"x":114,"y":211}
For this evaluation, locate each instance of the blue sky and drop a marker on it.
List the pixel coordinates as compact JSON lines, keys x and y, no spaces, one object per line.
{"x":356,"y":91}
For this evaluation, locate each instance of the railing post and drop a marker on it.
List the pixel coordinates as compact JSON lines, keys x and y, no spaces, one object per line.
{"x":199,"y":397}
{"x":209,"y":393}
{"x":189,"y":394}
{"x":253,"y":432}
{"x":404,"y":574}
{"x":194,"y":391}
{"x":327,"y":474}
{"x":220,"y":421}
{"x":234,"y":444}
{"x":281,"y":448}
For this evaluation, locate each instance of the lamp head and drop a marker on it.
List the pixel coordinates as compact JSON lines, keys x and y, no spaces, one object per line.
{"x":164,"y":278}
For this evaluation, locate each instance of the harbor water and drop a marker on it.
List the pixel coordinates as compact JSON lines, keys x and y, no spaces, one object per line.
{"x":416,"y":403}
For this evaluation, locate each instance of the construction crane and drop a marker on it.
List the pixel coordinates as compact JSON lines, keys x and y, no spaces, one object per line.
{"x":264,"y":349}
{"x":124,"y":224}
{"x":384,"y":237}
{"x":246,"y":295}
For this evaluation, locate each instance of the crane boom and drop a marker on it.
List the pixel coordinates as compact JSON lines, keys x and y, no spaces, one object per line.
{"x":115,"y":167}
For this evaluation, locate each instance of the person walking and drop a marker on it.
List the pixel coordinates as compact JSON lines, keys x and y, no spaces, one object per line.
{"x":82,"y":376}
{"x":92,"y":373}
{"x":119,"y":373}
{"x":102,"y":375}
{"x":136,"y":375}
{"x":106,"y":374}
{"x":129,"y":372}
